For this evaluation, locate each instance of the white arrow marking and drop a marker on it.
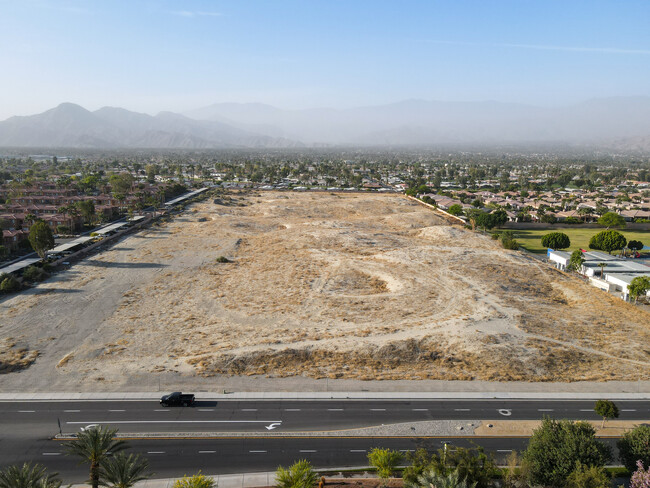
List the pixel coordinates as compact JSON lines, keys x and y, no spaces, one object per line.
{"x":506,"y":412}
{"x":273,"y":425}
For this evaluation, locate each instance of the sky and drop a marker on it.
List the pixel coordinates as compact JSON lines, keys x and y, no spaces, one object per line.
{"x":154,"y":55}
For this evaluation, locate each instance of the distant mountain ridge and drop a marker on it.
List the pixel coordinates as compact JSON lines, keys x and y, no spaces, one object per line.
{"x":70,"y":125}
{"x":435,"y":122}
{"x":607,"y":122}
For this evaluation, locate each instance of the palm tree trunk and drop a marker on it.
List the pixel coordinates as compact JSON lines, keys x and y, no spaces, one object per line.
{"x":94,"y":475}
{"x":603,"y":424}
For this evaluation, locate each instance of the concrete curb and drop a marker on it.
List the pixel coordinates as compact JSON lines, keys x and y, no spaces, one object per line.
{"x":307,"y":396}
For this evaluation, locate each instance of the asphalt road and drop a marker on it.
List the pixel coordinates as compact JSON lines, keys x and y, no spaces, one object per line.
{"x":27,"y":428}
{"x":177,"y":457}
{"x":42,"y":418}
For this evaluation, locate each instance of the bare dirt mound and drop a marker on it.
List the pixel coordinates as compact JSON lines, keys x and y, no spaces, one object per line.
{"x":337,"y":286}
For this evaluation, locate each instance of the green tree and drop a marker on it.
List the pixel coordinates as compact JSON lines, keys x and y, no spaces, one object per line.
{"x":635,"y":245}
{"x":455,"y":209}
{"x":607,"y":409}
{"x":299,"y":475}
{"x":28,"y":476}
{"x":41,"y":238}
{"x":576,"y":260}
{"x":639,"y":286}
{"x":611,"y":219}
{"x":385,"y":461}
{"x":635,"y":446}
{"x":608,"y":241}
{"x":555,"y":448}
{"x":431,"y":479}
{"x":121,"y":183}
{"x":194,"y":481}
{"x":93,"y":446}
{"x":588,"y":477}
{"x":122,"y":471}
{"x":556,"y":240}
{"x":87,"y":210}
{"x":602,"y":269}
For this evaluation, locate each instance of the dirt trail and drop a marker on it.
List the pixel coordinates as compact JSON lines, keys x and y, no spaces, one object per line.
{"x":325,"y":286}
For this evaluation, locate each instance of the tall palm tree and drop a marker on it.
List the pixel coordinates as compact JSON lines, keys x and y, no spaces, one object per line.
{"x":28,"y":476}
{"x":94,"y":445}
{"x":123,"y":471}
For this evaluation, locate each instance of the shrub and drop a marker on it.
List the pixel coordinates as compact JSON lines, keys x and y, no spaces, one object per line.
{"x":195,"y":481}
{"x":640,"y":478}
{"x":9,"y":284}
{"x":298,"y":475}
{"x":62,"y":229}
{"x":588,"y":477}
{"x":572,"y":220}
{"x":34,"y":273}
{"x":223,"y":259}
{"x":385,"y":461}
{"x":635,"y":446}
{"x":508,"y":240}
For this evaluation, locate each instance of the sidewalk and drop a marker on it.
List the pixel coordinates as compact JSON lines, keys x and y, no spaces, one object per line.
{"x":322,"y":395}
{"x":245,"y":480}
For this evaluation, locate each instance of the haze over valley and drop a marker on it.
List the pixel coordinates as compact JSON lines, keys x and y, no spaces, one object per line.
{"x":619,"y":122}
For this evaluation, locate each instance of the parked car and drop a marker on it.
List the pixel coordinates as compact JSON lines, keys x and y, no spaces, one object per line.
{"x":177,"y":399}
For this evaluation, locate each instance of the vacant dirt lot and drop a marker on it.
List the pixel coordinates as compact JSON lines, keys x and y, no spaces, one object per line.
{"x":337,"y":286}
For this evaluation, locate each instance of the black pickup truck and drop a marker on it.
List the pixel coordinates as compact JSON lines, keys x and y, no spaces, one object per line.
{"x":177,"y":399}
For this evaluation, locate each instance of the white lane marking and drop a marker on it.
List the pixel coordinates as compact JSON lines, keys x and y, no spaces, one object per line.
{"x":178,"y":422}
{"x":155,"y":452}
{"x":117,"y":410}
{"x":249,"y":410}
{"x":544,"y":409}
{"x":308,"y":450}
{"x":586,"y":409}
{"x":207,"y":452}
{"x":256,"y":451}
{"x":292,"y":410}
{"x":461,"y":409}
{"x":206,"y":409}
{"x":72,"y":411}
{"x":273,"y":425}
{"x":504,"y":450}
{"x":51,"y":454}
{"x":506,"y":412}
{"x":420,"y":409}
{"x":407,"y":450}
{"x":26,"y":411}
{"x":162,"y":410}
{"x":628,"y":410}
{"x":334,"y":409}
{"x":377,"y":409}
{"x":357,"y":450}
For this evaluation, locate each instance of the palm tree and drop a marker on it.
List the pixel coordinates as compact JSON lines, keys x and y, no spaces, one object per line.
{"x":94,"y":445}
{"x":431,"y":479}
{"x":602,"y":269}
{"x":28,"y":476}
{"x":123,"y":471}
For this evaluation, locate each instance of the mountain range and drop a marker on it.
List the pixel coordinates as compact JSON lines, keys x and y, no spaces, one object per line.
{"x":616,"y":122}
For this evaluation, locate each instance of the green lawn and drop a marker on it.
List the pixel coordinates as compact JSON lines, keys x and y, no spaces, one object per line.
{"x":532,"y":239}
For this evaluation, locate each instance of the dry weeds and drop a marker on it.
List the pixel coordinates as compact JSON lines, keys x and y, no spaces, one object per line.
{"x":344,"y":286}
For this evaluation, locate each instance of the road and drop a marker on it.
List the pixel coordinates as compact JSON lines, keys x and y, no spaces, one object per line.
{"x":255,"y":416}
{"x":28,"y":428}
{"x":176,"y":457}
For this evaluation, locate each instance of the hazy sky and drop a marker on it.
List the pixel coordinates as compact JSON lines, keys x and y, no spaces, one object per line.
{"x":179,"y":55}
